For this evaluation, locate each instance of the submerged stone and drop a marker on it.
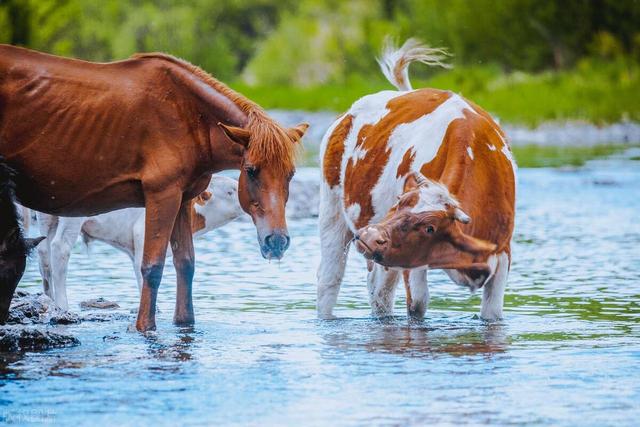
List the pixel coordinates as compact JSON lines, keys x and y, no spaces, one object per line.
{"x":99,"y":303}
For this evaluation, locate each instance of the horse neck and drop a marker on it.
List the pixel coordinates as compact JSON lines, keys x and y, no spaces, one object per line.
{"x":214,"y":107}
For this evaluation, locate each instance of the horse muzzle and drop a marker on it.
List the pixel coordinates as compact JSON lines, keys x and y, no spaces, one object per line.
{"x":275,"y":245}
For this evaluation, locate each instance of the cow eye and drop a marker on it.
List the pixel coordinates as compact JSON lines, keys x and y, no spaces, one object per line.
{"x":430,"y":229}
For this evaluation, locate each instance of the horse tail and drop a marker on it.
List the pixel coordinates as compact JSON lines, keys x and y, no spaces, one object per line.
{"x":394,"y":62}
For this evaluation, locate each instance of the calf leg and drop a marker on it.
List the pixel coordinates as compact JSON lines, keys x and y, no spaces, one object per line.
{"x":184,"y":263}
{"x":382,"y":284}
{"x":66,"y":236}
{"x":417,"y":288}
{"x":493,"y":290}
{"x":160,"y":215}
{"x":334,"y":247}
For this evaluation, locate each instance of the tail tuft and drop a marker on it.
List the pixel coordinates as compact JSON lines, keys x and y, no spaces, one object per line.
{"x":394,"y":62}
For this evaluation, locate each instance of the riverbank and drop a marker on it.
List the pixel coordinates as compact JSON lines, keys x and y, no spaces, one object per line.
{"x":549,"y":144}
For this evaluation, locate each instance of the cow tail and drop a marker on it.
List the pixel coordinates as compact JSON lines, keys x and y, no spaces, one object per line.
{"x":394,"y":62}
{"x":86,"y":242}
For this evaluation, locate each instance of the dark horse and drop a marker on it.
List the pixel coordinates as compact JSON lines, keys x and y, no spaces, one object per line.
{"x":14,"y":248}
{"x":86,"y":138}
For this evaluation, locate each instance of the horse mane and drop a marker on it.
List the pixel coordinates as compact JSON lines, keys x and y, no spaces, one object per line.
{"x":269,"y":143}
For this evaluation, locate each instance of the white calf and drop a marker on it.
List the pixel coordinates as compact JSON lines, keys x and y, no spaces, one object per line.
{"x":124,"y":230}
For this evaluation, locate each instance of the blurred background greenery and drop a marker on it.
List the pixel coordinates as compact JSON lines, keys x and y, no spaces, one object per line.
{"x":526,"y":61}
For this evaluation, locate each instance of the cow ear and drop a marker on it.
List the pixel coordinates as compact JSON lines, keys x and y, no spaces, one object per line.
{"x":236,"y":134}
{"x":414,"y":180}
{"x":470,"y":244}
{"x":410,"y":183}
{"x":203,"y":197}
{"x":297,"y":132}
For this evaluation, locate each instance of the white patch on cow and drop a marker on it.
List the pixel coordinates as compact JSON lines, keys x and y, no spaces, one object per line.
{"x":470,"y":152}
{"x":352,"y":213}
{"x":424,"y":136}
{"x":491,"y":147}
{"x":433,"y":197}
{"x":358,"y":154}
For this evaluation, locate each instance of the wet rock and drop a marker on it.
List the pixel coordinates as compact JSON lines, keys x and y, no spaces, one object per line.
{"x":99,"y":303}
{"x":20,"y":338}
{"x":38,"y":308}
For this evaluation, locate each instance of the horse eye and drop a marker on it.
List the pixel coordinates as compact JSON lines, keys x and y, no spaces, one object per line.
{"x":430,"y":229}
{"x":252,"y":172}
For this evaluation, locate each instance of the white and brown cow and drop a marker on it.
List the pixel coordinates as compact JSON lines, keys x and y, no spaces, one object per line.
{"x":420,"y":179}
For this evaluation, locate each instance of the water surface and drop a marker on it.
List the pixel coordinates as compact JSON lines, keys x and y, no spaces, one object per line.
{"x":567,"y":352}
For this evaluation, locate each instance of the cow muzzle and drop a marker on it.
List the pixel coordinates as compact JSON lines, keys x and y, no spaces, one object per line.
{"x":372,"y":243}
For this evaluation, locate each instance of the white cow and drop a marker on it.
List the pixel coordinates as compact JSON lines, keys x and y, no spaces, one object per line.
{"x":124,"y":230}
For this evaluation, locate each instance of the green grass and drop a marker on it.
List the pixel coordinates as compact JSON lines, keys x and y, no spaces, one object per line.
{"x":530,"y":156}
{"x":594,"y":91}
{"x":535,"y":156}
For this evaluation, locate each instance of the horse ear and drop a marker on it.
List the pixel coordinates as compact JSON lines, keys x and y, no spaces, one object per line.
{"x":30,"y":243}
{"x":236,"y":134}
{"x":297,"y":132}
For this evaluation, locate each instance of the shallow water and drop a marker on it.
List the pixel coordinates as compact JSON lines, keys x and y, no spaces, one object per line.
{"x":567,"y":352}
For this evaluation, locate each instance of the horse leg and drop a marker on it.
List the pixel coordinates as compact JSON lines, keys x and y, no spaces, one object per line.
{"x":184,"y":262}
{"x":47,"y":225}
{"x":66,"y":236}
{"x":160,"y":215}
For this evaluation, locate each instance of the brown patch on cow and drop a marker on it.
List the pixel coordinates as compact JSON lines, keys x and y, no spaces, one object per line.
{"x":405,"y":165}
{"x":362,"y":175}
{"x":335,"y":150}
{"x":198,"y":221}
{"x":484,"y":186}
{"x":203,"y":197}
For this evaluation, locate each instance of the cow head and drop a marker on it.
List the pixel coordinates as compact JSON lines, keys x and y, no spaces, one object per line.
{"x":421,"y":229}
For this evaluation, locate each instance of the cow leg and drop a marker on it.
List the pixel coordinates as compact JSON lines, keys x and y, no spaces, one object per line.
{"x":161,"y":211}
{"x":417,"y":288}
{"x":47,"y":225}
{"x":334,"y":247}
{"x":66,"y":236}
{"x":184,"y":263}
{"x":382,"y":284}
{"x":493,"y":290}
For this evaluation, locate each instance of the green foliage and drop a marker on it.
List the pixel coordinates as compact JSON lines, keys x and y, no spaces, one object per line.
{"x":594,"y":91}
{"x":524,"y":60}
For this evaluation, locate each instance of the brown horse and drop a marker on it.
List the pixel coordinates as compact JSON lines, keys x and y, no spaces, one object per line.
{"x":86,"y":138}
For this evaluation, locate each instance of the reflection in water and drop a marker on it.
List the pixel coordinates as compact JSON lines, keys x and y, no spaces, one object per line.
{"x":401,"y":337}
{"x":567,"y":353}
